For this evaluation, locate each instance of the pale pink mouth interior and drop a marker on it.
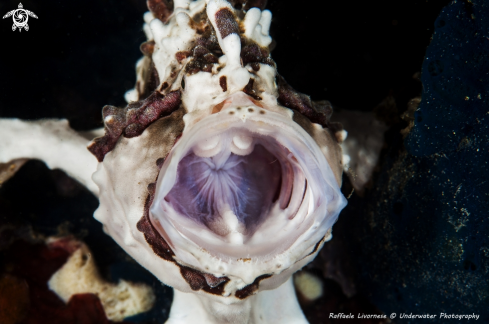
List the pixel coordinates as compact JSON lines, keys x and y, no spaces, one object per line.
{"x":240,"y":185}
{"x":242,"y":188}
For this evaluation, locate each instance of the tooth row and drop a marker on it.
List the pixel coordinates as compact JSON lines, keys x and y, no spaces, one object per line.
{"x":241,"y":145}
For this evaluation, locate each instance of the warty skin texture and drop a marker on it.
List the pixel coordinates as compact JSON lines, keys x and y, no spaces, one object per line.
{"x":255,"y":289}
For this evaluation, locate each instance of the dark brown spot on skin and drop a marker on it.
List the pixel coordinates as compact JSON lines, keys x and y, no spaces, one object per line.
{"x":262,"y":112}
{"x":180,"y":56}
{"x":159,"y":162}
{"x":147,"y":48}
{"x":223,"y":83}
{"x":161,"y":9}
{"x":152,"y":188}
{"x":226,"y":23}
{"x":251,"y":288}
{"x":250,"y":91}
{"x":251,"y":110}
{"x":231,"y":112}
{"x":239,"y":108}
{"x":217,"y":108}
{"x":164,"y":85}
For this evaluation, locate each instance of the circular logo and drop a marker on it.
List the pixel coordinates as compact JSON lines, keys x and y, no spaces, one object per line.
{"x":20,"y":18}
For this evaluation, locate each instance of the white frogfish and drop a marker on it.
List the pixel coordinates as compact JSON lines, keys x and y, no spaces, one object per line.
{"x":218,"y":177}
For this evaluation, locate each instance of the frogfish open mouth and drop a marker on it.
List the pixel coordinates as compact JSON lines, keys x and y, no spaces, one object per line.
{"x":218,"y":177}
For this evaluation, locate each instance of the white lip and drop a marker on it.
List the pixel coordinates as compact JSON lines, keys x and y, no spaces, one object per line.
{"x":320,"y":208}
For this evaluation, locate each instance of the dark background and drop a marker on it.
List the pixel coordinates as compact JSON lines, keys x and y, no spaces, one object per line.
{"x":80,"y":55}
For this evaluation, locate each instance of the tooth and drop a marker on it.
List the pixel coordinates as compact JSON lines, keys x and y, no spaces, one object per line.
{"x":232,"y":222}
{"x":235,"y":238}
{"x":208,"y":147}
{"x":242,"y":141}
{"x":209,"y":143}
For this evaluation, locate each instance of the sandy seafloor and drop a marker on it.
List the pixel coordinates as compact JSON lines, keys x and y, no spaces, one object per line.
{"x":414,"y":242}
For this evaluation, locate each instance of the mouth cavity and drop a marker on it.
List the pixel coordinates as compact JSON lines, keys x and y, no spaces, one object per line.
{"x":243,"y":187}
{"x":232,"y":181}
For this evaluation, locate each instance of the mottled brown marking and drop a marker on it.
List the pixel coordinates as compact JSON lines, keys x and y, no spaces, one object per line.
{"x":147,"y":48}
{"x":203,"y":60}
{"x":254,"y":54}
{"x":151,"y":81}
{"x":209,"y":41}
{"x":214,"y":281}
{"x":198,"y":280}
{"x":223,"y":83}
{"x":161,"y":9}
{"x":251,"y":288}
{"x":195,"y":279}
{"x":317,"y":112}
{"x":132,"y":120}
{"x":226,"y":23}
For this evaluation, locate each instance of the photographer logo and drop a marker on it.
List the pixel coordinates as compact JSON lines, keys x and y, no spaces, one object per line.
{"x":20,"y":17}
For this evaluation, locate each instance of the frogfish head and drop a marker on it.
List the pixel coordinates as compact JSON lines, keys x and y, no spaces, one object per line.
{"x":218,"y":177}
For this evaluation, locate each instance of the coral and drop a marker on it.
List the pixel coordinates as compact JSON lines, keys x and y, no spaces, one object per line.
{"x":79,"y":275}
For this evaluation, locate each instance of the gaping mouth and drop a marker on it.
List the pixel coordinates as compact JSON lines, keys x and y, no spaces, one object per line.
{"x":231,"y":182}
{"x":244,"y":182}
